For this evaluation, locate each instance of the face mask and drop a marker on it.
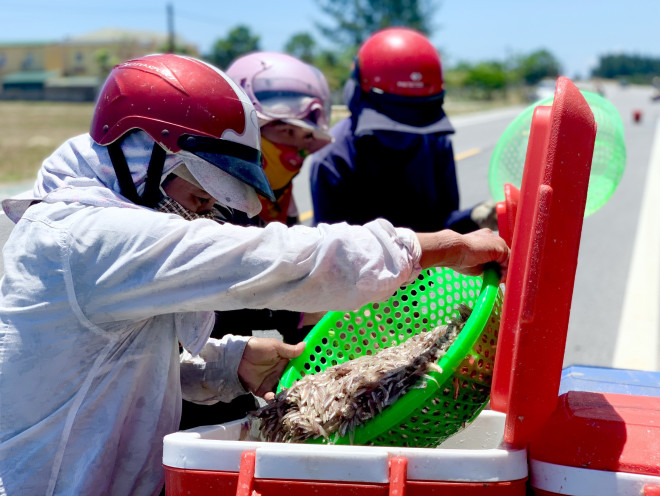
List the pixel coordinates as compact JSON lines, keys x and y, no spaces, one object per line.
{"x":171,"y":206}
{"x":281,"y":163}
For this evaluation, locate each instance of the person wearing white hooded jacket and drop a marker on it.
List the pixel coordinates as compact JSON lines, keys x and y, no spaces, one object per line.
{"x":100,"y":287}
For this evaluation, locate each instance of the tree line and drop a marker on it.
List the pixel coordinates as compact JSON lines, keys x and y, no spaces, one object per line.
{"x":350,"y":22}
{"x":482,"y":80}
{"x":631,"y":68}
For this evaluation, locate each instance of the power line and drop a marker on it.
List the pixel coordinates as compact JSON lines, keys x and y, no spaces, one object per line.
{"x":170,"y":27}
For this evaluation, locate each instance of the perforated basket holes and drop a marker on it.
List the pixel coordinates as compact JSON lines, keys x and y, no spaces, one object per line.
{"x":607,"y":164}
{"x":430,"y":301}
{"x":457,"y":401}
{"x":478,"y":367}
{"x":440,"y":417}
{"x":510,"y":157}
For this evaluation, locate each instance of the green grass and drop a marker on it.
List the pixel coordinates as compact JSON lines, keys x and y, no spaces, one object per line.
{"x":31,"y":131}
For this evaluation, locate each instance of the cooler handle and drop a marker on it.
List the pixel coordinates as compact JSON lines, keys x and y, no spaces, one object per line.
{"x":398,"y":475}
{"x":246,"y":473}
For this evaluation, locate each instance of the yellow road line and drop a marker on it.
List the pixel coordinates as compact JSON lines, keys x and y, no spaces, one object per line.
{"x":306,"y":215}
{"x":469,"y":153}
{"x":466,"y":154}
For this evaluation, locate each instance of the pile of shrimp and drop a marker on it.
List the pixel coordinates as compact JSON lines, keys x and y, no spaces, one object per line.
{"x":334,"y":402}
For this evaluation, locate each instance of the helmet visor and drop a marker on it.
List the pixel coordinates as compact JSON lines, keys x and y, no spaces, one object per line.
{"x":241,"y":161}
{"x":292,"y":105}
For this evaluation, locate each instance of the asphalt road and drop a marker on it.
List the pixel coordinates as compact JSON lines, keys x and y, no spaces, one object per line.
{"x":614,"y":315}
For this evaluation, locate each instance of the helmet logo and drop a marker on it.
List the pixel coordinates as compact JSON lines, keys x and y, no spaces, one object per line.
{"x":156,"y":67}
{"x":415,"y":81}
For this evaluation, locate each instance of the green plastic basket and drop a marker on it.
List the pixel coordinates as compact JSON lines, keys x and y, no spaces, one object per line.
{"x":424,"y":416}
{"x":607,"y":166}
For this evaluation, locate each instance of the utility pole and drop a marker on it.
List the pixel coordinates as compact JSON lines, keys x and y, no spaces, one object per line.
{"x":170,"y":28}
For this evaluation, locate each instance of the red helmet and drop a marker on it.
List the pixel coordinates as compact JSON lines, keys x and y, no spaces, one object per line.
{"x":183,"y":104}
{"x":399,"y":61}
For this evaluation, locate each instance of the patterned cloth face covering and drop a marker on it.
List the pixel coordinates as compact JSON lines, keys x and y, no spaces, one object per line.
{"x":171,"y":206}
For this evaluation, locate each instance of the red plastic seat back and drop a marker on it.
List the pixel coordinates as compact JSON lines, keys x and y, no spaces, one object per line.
{"x":545,"y":244}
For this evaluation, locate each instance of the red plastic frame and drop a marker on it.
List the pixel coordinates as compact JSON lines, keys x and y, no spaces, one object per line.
{"x":544,"y":252}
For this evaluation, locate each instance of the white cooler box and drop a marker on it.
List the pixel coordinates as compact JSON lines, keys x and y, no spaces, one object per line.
{"x":213,"y":460}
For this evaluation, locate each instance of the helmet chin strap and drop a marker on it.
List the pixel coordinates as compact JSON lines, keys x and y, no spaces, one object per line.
{"x":151,"y":195}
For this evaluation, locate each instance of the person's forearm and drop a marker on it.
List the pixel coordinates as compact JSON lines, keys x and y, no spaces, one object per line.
{"x":212,"y":375}
{"x":438,"y":247}
{"x":465,"y":253}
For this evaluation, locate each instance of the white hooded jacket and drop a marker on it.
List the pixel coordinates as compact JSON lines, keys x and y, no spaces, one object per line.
{"x":98,"y":293}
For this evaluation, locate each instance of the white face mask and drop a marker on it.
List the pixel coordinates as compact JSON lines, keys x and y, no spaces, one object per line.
{"x":224,"y":187}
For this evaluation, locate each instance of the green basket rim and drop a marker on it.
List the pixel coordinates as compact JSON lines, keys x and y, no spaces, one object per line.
{"x":449,"y":362}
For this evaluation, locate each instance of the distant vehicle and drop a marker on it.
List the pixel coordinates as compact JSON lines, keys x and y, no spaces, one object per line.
{"x":545,"y":89}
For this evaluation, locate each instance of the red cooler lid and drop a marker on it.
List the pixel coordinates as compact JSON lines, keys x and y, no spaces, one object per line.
{"x":544,"y":252}
{"x":602,"y":431}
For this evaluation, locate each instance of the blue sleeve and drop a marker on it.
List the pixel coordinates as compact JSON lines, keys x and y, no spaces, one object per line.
{"x":457,"y":220}
{"x":461,"y":222}
{"x":328,"y":192}
{"x":330,"y":179}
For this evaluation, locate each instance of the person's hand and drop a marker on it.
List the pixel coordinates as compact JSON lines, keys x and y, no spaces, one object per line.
{"x":464,"y":253}
{"x":263,"y":362}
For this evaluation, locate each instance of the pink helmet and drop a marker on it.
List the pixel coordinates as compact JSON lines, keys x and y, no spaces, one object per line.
{"x":281,"y":87}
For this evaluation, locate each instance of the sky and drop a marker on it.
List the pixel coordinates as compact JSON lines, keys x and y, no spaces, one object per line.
{"x":576,"y":32}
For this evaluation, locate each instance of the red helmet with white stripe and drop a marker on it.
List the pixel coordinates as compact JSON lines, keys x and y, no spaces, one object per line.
{"x":183,"y":104}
